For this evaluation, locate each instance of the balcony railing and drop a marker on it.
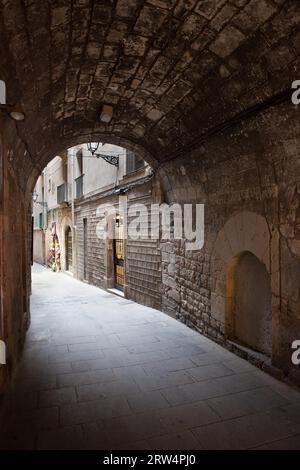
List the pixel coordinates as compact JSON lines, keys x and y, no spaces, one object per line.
{"x":62,"y":193}
{"x":79,"y":187}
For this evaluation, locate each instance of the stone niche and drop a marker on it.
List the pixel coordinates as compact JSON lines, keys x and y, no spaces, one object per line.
{"x":244,"y":280}
{"x":248,"y":288}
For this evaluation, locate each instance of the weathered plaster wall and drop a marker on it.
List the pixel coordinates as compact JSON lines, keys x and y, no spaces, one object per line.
{"x":39,"y":246}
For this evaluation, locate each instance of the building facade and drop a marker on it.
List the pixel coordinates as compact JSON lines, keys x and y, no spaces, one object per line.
{"x":74,"y":195}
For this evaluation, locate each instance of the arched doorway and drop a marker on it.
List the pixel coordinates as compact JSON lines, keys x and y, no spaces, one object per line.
{"x":69,"y":249}
{"x":248,"y":303}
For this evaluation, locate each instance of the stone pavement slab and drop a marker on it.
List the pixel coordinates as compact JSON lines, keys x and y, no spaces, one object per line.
{"x":100,"y":372}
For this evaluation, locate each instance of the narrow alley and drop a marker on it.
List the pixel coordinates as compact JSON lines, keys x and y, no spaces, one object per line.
{"x":100,"y":372}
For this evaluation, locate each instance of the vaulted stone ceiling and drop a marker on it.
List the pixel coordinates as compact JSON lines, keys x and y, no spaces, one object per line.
{"x":172,"y":69}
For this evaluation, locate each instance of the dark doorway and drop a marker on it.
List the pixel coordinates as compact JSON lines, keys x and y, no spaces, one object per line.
{"x":118,"y":244}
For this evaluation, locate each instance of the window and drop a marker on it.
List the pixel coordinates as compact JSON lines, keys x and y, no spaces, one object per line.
{"x":79,"y":186}
{"x":41,"y":220}
{"x":79,"y":157}
{"x":133,"y":162}
{"x":61,"y":193}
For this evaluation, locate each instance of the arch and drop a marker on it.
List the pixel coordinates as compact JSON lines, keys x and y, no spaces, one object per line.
{"x":244,"y":232}
{"x":177,"y":178}
{"x":248,"y":312}
{"x":46,"y":153}
{"x":64,"y":227}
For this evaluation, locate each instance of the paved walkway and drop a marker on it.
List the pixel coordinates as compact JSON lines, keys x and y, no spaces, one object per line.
{"x":102,"y":372}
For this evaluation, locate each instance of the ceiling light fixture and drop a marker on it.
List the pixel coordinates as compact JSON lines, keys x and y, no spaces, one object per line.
{"x":106,"y":113}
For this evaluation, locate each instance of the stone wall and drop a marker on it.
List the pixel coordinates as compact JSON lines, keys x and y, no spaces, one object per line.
{"x":15,"y":228}
{"x":251,"y":310}
{"x":249,"y":181}
{"x":2,"y":332}
{"x":171,"y":69}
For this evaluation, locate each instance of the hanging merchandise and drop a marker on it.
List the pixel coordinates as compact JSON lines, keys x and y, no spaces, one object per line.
{"x":53,"y":260}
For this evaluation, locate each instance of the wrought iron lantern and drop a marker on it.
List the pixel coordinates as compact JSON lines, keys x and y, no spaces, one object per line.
{"x":35,"y":197}
{"x":93,"y":147}
{"x":111,"y":159}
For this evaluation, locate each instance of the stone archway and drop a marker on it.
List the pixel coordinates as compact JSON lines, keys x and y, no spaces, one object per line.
{"x":248,"y":310}
{"x":245,"y":236}
{"x":146,"y":60}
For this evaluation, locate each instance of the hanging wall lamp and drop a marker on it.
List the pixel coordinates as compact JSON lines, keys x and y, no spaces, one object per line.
{"x":111,"y":159}
{"x":93,"y":147}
